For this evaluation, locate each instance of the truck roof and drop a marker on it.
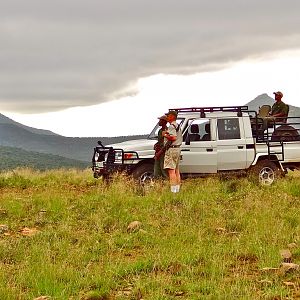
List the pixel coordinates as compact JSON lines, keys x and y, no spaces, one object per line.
{"x":196,"y":112}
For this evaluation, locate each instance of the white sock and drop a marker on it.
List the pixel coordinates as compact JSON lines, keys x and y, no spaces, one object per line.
{"x":177,"y":188}
{"x":173,"y":189}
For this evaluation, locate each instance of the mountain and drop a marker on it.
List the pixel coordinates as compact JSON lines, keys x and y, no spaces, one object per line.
{"x":12,"y":158}
{"x":6,"y":120}
{"x":14,"y":134}
{"x":259,"y":101}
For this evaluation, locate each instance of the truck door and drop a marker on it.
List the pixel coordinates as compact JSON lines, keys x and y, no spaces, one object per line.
{"x":198,"y":151}
{"x":231,"y":144}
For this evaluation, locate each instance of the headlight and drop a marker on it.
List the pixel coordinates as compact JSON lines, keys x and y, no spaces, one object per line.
{"x":124,"y":157}
{"x":96,"y":156}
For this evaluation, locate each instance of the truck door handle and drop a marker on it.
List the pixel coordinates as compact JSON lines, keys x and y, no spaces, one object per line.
{"x":209,"y":149}
{"x":240,"y":147}
{"x":185,"y":150}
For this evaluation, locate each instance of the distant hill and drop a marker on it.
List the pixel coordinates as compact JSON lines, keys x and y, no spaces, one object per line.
{"x":6,"y":120}
{"x":13,"y":135}
{"x":12,"y":158}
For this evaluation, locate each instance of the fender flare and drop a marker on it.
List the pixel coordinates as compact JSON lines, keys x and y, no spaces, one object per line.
{"x":265,"y":155}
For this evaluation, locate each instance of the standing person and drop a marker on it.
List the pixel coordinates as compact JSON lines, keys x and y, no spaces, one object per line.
{"x":159,"y":171}
{"x":172,"y":156}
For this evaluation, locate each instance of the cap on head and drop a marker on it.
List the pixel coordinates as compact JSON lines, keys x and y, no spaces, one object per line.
{"x":278,"y":93}
{"x":172,"y":112}
{"x":164,"y":117}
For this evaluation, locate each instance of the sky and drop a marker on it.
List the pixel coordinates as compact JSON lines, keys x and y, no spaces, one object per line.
{"x":109,"y":68}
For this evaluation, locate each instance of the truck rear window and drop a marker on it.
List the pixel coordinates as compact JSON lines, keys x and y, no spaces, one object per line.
{"x":229,"y":129}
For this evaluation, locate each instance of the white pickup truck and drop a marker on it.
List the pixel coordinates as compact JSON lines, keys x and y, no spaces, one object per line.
{"x":216,"y":139}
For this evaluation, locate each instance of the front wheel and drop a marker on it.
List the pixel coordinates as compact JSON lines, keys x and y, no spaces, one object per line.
{"x":144,"y":173}
{"x":265,"y":172}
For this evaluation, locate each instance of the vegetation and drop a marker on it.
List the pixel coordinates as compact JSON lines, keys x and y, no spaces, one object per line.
{"x":12,"y":158}
{"x":65,"y":235}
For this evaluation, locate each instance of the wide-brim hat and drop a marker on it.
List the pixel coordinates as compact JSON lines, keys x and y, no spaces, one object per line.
{"x":164,"y":117}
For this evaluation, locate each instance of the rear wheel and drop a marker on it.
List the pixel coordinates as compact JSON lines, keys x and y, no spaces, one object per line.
{"x":143,"y":173}
{"x":265,"y":172}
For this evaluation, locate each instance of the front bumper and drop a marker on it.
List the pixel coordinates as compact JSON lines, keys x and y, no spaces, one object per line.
{"x":112,"y":168}
{"x":113,"y":161}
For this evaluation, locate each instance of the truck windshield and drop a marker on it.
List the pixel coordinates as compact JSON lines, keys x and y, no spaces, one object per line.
{"x":154,"y":133}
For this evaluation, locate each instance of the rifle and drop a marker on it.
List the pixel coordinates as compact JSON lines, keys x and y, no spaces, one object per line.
{"x":162,"y":150}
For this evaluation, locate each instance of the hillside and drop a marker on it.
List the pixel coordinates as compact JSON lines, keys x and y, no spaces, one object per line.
{"x":6,"y":120}
{"x":12,"y":158}
{"x":13,"y":135}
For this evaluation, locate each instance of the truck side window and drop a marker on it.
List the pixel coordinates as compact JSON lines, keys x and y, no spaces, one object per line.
{"x":199,"y":130}
{"x":229,"y":129}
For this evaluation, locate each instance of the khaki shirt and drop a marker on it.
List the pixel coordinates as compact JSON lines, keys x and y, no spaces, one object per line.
{"x":172,"y":131}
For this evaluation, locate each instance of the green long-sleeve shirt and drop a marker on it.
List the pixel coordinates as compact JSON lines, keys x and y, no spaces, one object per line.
{"x":279,"y":107}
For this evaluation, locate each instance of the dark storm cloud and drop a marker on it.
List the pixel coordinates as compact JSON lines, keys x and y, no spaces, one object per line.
{"x":57,"y":54}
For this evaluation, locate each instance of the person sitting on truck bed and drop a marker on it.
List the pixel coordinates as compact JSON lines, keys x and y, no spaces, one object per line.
{"x":279,"y":109}
{"x":278,"y":113}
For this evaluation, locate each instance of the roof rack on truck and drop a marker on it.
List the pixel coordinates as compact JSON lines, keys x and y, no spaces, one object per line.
{"x":203,"y":110}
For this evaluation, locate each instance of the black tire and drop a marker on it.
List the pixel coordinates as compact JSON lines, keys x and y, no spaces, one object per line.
{"x":143,"y":173}
{"x":285,"y":133}
{"x":265,"y":172}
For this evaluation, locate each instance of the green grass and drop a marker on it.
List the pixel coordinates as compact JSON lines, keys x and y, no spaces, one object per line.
{"x":210,"y":241}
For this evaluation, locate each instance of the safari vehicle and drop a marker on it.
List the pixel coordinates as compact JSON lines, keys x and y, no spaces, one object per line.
{"x":216,"y":139}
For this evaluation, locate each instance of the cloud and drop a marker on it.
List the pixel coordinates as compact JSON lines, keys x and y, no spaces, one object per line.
{"x":63,"y":53}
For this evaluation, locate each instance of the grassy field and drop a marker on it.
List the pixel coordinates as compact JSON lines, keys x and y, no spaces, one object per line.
{"x":65,"y":235}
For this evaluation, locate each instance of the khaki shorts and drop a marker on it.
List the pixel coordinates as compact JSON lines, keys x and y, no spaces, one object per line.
{"x":172,"y":157}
